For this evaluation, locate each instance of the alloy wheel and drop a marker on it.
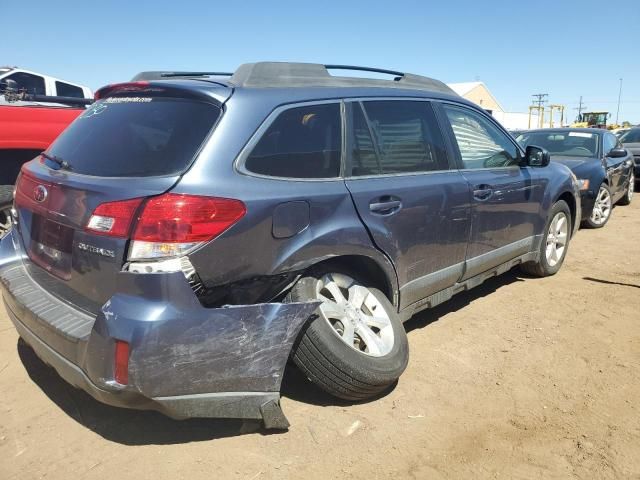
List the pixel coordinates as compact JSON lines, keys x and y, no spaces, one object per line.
{"x":631,"y":188}
{"x":355,"y":315}
{"x":557,"y":238}
{"x":601,"y":207}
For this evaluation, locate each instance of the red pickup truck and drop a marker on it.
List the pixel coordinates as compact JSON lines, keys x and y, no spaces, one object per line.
{"x":28,"y":124}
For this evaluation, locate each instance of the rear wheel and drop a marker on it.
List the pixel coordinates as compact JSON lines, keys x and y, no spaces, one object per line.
{"x":6,"y":199}
{"x":628,"y":195}
{"x":357,"y":346}
{"x":554,"y":245}
{"x":601,"y":208}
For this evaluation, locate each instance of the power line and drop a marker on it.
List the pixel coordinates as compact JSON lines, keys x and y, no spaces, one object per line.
{"x":541,"y":98}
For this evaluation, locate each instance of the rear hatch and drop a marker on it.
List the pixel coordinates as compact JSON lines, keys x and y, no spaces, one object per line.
{"x":133,"y":144}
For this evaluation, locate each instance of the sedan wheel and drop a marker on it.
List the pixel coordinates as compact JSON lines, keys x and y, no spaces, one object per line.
{"x":602,"y":207}
{"x":557,"y":238}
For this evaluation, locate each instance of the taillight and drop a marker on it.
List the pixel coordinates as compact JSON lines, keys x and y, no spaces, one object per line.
{"x":168,"y":225}
{"x":121,"y":363}
{"x":172,"y":224}
{"x":114,"y":218}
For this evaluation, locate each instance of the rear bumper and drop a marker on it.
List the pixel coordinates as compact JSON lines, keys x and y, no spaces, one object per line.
{"x":185,"y":360}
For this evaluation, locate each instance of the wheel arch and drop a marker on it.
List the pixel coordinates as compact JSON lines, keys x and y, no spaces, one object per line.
{"x":368,"y":270}
{"x":570,"y":200}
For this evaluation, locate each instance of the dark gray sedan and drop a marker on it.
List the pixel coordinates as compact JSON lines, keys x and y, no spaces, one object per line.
{"x":603,"y":167}
{"x":631,"y":141}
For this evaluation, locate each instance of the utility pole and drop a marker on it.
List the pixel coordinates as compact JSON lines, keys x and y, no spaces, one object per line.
{"x":541,"y":99}
{"x":581,"y":106}
{"x":619,"y":95}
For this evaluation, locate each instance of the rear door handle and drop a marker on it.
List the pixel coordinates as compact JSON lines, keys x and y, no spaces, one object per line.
{"x":385,"y":206}
{"x":482,"y":192}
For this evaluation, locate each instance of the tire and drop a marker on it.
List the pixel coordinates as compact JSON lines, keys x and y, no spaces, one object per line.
{"x":343,"y":365}
{"x":6,"y":200}
{"x":628,"y":195}
{"x":546,"y":266}
{"x":594,"y":220}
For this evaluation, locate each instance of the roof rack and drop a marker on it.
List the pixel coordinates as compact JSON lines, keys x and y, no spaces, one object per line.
{"x":283,"y":74}
{"x":286,"y":74}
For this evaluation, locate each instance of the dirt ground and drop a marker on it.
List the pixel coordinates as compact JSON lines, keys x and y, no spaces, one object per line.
{"x":520,"y":378}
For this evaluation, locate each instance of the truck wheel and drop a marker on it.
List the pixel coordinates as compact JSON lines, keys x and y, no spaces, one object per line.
{"x":356,"y":347}
{"x":601,"y":208}
{"x":6,"y":200}
{"x":555,"y":243}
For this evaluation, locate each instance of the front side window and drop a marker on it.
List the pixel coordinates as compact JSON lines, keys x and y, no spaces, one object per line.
{"x":66,"y":90}
{"x":481,"y":143}
{"x":303,"y":142}
{"x":610,"y":142}
{"x":33,"y":84}
{"x":405,"y":135}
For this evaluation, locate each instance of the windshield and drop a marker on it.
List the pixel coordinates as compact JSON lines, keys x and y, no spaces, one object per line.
{"x":135,"y":136}
{"x":632,"y":136}
{"x":570,"y":144}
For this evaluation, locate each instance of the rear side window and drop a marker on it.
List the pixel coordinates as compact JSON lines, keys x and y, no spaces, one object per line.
{"x":136,"y":136}
{"x":405,"y":135}
{"x":66,"y":90}
{"x":303,"y":142}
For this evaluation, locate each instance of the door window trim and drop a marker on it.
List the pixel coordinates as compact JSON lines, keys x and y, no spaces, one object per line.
{"x":241,"y":159}
{"x":454,"y":143}
{"x":349,"y":122}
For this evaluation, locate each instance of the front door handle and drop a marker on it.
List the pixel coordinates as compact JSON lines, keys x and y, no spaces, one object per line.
{"x":482,"y":192}
{"x":385,"y":205}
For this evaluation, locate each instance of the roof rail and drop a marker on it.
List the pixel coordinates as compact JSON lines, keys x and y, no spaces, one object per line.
{"x":159,"y":75}
{"x":284,"y":74}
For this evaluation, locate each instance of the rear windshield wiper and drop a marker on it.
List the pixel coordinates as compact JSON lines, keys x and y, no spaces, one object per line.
{"x":63,"y":164}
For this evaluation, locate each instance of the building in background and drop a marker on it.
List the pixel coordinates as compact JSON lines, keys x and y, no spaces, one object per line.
{"x":478,"y":93}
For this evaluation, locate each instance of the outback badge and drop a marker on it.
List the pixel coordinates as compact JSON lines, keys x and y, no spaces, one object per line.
{"x":97,"y":250}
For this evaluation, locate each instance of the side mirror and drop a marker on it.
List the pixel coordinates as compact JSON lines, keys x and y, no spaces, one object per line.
{"x":537,"y":156}
{"x":9,"y":85}
{"x":617,"y":153}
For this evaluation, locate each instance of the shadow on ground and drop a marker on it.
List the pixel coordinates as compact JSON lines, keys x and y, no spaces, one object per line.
{"x":135,"y":427}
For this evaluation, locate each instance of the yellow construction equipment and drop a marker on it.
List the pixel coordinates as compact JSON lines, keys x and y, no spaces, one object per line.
{"x":592,"y":120}
{"x":540,"y":110}
{"x":560,"y":108}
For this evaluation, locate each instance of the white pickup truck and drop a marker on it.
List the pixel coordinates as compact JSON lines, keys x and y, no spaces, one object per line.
{"x":38,"y":84}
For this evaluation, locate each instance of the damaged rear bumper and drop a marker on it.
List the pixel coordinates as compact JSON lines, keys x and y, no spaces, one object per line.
{"x":185,"y":360}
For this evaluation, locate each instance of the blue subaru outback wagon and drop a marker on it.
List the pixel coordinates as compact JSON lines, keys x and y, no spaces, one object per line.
{"x":191,"y":232}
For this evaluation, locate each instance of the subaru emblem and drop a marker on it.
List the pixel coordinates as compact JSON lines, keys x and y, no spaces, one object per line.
{"x":40,"y":193}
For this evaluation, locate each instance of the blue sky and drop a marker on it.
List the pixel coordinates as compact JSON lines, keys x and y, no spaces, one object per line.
{"x":517,"y":48}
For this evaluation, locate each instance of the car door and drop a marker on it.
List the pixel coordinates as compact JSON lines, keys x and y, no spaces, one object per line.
{"x":506,"y":196}
{"x":618,"y":169}
{"x":414,"y":205}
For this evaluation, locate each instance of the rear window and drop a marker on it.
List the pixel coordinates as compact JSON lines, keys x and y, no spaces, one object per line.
{"x":136,"y":136}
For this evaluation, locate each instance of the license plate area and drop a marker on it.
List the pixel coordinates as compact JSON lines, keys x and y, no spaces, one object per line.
{"x":51,"y":245}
